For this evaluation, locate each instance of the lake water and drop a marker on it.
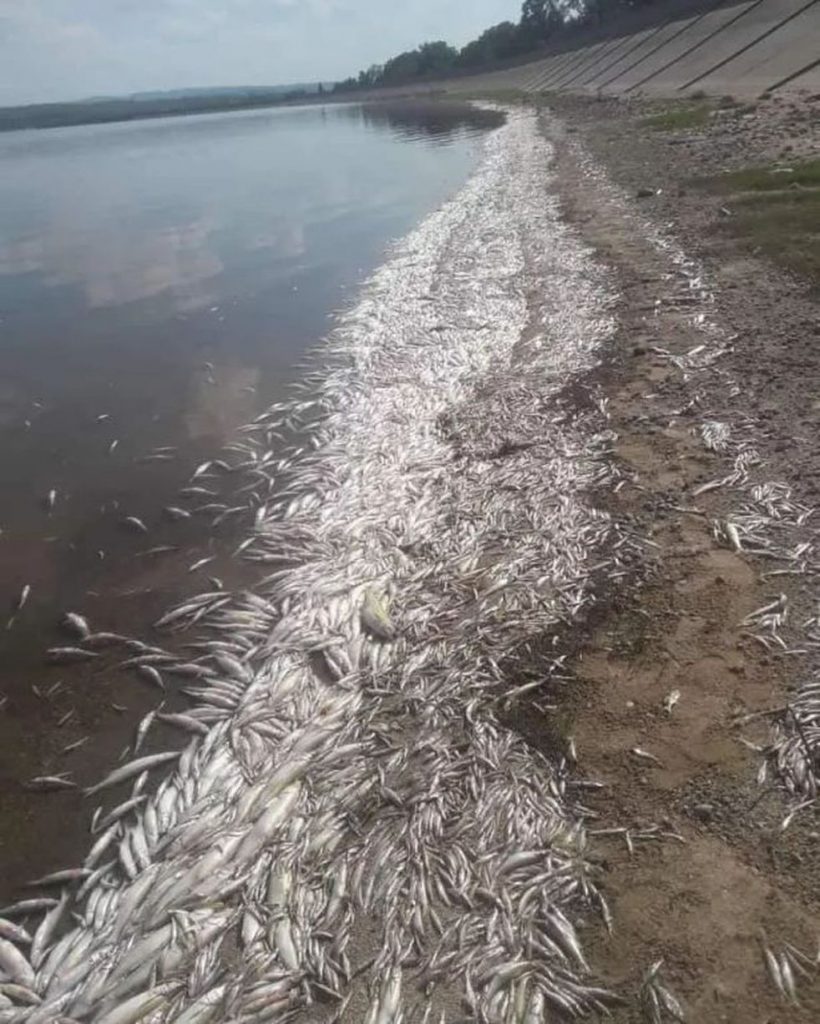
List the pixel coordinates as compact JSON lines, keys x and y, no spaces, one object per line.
{"x":159,"y":282}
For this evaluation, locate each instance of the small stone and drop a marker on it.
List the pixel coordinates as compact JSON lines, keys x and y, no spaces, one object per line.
{"x":645,"y":193}
{"x":704,"y":811}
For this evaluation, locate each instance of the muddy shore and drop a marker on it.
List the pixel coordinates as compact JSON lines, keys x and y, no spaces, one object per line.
{"x":705,"y":902}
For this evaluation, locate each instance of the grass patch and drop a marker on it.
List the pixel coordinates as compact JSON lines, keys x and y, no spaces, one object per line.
{"x":784,"y":225}
{"x":776,"y":209}
{"x":805,"y":174}
{"x":679,"y":119}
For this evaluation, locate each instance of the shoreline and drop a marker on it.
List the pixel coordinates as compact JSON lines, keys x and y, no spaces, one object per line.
{"x":412,"y":806}
{"x":369,"y":657}
{"x":745,"y":874}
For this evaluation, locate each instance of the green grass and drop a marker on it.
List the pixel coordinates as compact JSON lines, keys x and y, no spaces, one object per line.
{"x":776,"y":209}
{"x":680,"y":118}
{"x":804,"y":173}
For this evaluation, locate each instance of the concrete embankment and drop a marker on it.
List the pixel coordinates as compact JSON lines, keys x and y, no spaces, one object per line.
{"x":740,"y":49}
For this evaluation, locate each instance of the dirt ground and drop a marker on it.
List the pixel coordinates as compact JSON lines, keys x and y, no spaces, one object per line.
{"x":707,"y":901}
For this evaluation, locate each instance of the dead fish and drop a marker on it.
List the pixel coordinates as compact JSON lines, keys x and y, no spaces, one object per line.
{"x":20,"y":994}
{"x":14,"y":933}
{"x":75,"y":745}
{"x":25,"y":907}
{"x":15,"y":965}
{"x":133,"y":768}
{"x":644,"y":755}
{"x":375,"y":618}
{"x":150,"y":673}
{"x":61,"y":655}
{"x":161,"y":549}
{"x":142,"y":729}
{"x":185,"y":722}
{"x":135,"y":524}
{"x":60,"y":877}
{"x":773,"y":968}
{"x":44,"y":783}
{"x":105,"y":639}
{"x":176,"y":513}
{"x":77,"y":624}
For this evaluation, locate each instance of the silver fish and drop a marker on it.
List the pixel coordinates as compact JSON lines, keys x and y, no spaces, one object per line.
{"x":128,"y":771}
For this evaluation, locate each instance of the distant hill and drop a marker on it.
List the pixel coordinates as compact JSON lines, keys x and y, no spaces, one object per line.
{"x":164,"y":103}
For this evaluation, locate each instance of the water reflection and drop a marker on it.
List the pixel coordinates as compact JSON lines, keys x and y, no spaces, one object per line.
{"x":437,"y":120}
{"x":126,"y":213}
{"x":112,"y":266}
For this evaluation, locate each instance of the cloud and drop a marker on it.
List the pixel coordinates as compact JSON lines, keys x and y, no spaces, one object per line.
{"x":64,"y":49}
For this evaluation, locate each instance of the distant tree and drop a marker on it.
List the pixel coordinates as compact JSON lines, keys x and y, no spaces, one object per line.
{"x":542,"y":18}
{"x":501,"y":42}
{"x":436,"y":58}
{"x":541,"y":21}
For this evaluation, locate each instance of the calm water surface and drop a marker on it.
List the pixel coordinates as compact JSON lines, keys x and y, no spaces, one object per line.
{"x":159,"y":281}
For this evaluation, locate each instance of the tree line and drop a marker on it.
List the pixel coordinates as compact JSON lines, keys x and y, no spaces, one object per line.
{"x":542,"y":22}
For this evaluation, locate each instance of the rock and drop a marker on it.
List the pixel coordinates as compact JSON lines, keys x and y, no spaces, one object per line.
{"x":645,"y":193}
{"x":705,"y":812}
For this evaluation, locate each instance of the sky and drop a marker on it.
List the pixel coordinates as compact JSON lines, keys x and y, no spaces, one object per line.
{"x":70,"y":49}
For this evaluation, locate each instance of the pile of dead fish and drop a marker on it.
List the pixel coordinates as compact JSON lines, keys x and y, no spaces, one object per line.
{"x":352,"y":832}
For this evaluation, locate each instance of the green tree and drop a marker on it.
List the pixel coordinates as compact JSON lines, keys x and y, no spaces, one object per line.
{"x":436,"y":58}
{"x":540,"y":19}
{"x":501,"y":42}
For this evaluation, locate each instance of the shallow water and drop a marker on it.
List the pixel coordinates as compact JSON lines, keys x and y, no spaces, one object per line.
{"x":168,"y":276}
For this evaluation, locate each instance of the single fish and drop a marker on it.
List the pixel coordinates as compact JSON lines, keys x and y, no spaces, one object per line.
{"x":670,"y":700}
{"x":150,"y":673}
{"x":75,"y":745}
{"x":25,"y":907}
{"x":127,"y":771}
{"x":15,"y":965}
{"x":77,"y":625}
{"x":45,"y":783}
{"x":176,"y":513}
{"x":14,"y":933}
{"x":644,"y":755}
{"x":61,"y":655}
{"x":162,"y":549}
{"x":20,"y":994}
{"x":135,"y":524}
{"x":60,"y":877}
